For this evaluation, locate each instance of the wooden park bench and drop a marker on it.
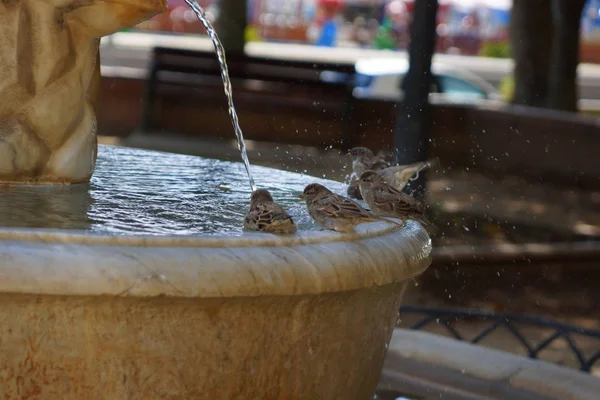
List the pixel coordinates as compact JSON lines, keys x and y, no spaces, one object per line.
{"x":298,"y":102}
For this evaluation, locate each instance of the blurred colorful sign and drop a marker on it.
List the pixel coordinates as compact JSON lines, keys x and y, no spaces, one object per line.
{"x":464,"y":26}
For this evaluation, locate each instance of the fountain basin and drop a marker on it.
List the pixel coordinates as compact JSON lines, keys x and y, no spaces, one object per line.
{"x":253,"y":316}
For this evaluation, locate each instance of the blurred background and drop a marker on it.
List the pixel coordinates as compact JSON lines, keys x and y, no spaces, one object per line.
{"x":509,"y":114}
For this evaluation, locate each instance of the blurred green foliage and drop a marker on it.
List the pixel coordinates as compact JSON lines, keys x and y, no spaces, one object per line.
{"x":495,"y":50}
{"x":384,"y":40}
{"x":507,"y":88}
{"x":251,"y":34}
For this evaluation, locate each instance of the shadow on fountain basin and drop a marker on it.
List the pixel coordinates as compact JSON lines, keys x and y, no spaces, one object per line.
{"x":46,"y":206}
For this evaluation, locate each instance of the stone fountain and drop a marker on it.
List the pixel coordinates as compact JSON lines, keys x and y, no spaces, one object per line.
{"x":137,"y":282}
{"x":49,"y":74}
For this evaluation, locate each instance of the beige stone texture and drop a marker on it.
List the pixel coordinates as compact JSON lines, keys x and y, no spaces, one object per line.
{"x":425,"y":364}
{"x":258,"y":316}
{"x":49,"y":76}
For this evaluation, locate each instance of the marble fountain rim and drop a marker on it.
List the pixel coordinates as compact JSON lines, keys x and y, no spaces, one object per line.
{"x":55,"y":262}
{"x":247,"y":239}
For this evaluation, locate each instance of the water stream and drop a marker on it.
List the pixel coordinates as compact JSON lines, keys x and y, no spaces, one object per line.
{"x":226,"y":84}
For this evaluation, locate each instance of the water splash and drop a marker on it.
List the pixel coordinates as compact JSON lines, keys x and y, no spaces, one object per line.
{"x":416,"y":174}
{"x":226,"y":84}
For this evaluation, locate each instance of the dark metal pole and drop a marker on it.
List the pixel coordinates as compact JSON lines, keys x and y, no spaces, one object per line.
{"x":231,"y":25}
{"x":411,"y":130}
{"x":562,"y":81}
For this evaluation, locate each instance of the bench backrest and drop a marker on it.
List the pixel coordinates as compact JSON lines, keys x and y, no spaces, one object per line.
{"x":242,"y":66}
{"x":319,"y":84}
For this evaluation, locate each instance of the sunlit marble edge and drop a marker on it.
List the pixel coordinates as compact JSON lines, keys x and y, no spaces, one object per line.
{"x":247,"y":239}
{"x":54,"y":263}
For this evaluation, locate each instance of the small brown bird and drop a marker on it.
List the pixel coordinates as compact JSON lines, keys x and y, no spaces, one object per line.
{"x":363,"y":159}
{"x":333,"y":211}
{"x":386,"y":201}
{"x":396,"y":176}
{"x":264,"y":215}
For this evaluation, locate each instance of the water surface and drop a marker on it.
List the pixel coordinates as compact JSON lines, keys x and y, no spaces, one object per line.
{"x":140,"y":192}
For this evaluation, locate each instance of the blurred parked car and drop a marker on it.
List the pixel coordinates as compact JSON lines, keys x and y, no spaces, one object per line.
{"x":382,"y":79}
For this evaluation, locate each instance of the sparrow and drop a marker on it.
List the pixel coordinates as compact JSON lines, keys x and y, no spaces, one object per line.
{"x":363,"y":159}
{"x":335,"y":212}
{"x":396,"y":176}
{"x":264,"y":215}
{"x":386,"y":201}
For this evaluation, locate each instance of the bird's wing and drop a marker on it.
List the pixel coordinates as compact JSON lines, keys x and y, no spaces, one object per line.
{"x":391,"y":200}
{"x":267,"y":214}
{"x":277,"y":212}
{"x":334,"y":206}
{"x":399,"y":175}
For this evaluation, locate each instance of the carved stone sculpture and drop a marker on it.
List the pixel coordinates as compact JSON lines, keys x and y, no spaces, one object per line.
{"x":49,"y":77}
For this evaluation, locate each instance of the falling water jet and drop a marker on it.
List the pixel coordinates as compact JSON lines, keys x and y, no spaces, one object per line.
{"x":226,"y":84}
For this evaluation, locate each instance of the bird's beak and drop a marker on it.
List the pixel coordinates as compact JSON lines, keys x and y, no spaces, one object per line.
{"x":302,"y":196}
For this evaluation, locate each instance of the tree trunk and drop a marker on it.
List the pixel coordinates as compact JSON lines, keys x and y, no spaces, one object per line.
{"x":562,"y":80}
{"x":231,"y":25}
{"x":411,"y":129}
{"x":531,"y":41}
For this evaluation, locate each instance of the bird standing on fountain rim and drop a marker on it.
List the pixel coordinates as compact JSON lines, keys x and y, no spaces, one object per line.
{"x":386,"y":201}
{"x":264,"y":215}
{"x":335,"y":212}
{"x":396,"y":176}
{"x":363,"y":159}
